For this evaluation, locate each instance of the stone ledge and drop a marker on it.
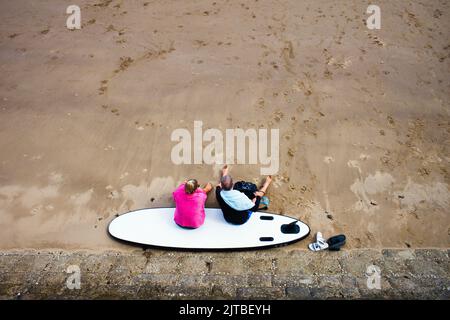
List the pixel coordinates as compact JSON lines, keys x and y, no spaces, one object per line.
{"x":270,"y":274}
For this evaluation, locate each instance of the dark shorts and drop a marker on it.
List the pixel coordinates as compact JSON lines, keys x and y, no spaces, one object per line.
{"x":235,"y":216}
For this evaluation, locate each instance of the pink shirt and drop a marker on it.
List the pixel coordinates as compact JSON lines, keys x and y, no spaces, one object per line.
{"x":190,"y":208}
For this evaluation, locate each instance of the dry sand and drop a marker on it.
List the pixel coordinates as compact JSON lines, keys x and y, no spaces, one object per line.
{"x":86,"y":115}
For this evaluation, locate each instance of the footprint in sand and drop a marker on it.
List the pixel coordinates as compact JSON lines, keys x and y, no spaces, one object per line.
{"x":261,"y":102}
{"x":113,"y":111}
{"x":391,"y":120}
{"x":327,"y":74}
{"x":291,"y":152}
{"x":113,"y":194}
{"x":363,"y":156}
{"x":328,"y":159}
{"x":307,"y":89}
{"x":200,"y":43}
{"x":376,"y":40}
{"x":125,"y":63}
{"x":36,"y":210}
{"x":287,"y":53}
{"x":103,"y":3}
{"x":110,"y":28}
{"x":92,"y":21}
{"x":104,"y":87}
{"x":278,"y":115}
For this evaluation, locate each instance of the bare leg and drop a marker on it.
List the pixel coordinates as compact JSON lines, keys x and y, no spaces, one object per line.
{"x":224,"y":171}
{"x":266,"y":184}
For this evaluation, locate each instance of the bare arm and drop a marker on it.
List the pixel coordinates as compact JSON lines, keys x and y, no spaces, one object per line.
{"x":207,"y":188}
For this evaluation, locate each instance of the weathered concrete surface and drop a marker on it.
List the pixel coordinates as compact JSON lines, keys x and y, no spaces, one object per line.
{"x":271,"y":274}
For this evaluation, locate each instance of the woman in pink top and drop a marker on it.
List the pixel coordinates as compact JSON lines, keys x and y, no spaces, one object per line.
{"x":190,"y":204}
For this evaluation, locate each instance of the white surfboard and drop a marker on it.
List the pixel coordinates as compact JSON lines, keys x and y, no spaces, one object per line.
{"x":156,"y":227}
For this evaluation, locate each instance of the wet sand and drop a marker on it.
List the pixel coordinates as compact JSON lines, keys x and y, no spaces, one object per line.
{"x":86,"y":115}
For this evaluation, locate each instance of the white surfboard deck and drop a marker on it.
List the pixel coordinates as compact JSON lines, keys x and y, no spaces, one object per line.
{"x":156,"y":227}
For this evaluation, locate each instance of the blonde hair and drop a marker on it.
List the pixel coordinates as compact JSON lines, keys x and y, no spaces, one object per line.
{"x":190,"y":186}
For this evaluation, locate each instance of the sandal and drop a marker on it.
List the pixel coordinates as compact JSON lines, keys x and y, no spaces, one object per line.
{"x":320,"y":243}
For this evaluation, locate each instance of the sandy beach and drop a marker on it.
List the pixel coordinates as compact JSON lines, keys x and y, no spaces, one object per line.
{"x":86,"y":115}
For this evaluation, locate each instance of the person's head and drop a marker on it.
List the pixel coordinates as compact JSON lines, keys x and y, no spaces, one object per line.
{"x":226,"y":182}
{"x":190,"y":186}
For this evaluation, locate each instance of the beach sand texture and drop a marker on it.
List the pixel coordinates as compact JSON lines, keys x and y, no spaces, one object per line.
{"x":86,"y":115}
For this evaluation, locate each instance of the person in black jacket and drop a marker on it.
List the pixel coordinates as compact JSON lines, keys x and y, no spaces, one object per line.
{"x":236,"y":206}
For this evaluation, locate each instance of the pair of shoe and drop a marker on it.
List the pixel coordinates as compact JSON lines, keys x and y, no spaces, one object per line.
{"x":320,"y":244}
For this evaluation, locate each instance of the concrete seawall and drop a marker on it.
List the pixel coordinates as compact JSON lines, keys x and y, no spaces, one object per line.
{"x":271,"y":274}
